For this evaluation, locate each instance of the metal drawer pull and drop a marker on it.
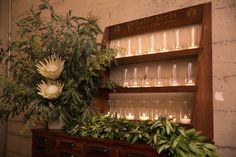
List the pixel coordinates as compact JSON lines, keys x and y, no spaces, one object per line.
{"x":65,"y":154}
{"x":135,"y":155}
{"x":98,"y":149}
{"x":67,"y":144}
{"x":42,"y":149}
{"x":42,"y":139}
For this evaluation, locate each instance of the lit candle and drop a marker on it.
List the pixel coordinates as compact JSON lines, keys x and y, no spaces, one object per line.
{"x":185,"y":120}
{"x":129,"y":116}
{"x":144,"y":117}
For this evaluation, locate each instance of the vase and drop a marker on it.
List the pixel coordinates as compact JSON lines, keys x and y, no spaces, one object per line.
{"x":55,"y":124}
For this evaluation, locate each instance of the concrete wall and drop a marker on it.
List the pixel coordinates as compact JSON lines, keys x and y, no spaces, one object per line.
{"x":117,"y":11}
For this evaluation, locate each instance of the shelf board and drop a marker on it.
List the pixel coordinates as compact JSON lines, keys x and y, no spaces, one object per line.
{"x":165,"y":89}
{"x":186,"y":53}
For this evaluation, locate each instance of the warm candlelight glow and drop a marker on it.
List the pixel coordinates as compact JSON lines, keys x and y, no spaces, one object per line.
{"x":144,"y":117}
{"x":185,"y":120}
{"x":129,"y":116}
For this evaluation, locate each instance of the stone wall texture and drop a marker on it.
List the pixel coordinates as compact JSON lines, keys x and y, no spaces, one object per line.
{"x":117,"y":11}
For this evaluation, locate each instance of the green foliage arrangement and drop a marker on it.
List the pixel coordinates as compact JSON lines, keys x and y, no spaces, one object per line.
{"x":56,"y":67}
{"x":162,"y":134}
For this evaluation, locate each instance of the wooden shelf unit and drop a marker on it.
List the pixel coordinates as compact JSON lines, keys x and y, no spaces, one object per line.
{"x":202,"y":108}
{"x":163,"y":89}
{"x":185,"y":53}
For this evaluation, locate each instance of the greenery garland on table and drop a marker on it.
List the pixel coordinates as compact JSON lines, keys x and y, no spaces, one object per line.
{"x":56,"y":67}
{"x":162,"y":134}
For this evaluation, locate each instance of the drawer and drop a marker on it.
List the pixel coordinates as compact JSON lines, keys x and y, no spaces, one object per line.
{"x":70,"y":145}
{"x":66,"y":153}
{"x":42,"y":151}
{"x":96,"y":150}
{"x":44,"y":140}
{"x":124,"y":152}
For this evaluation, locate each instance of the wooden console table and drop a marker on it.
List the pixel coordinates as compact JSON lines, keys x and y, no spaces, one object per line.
{"x":56,"y":143}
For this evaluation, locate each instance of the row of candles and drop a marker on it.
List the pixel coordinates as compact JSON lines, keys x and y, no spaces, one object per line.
{"x":145,"y":81}
{"x":151,"y":110}
{"x":157,"y":42}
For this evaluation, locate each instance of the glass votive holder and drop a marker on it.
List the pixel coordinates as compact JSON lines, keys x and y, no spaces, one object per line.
{"x":189,"y":80}
{"x":158,"y":80}
{"x":117,"y":108}
{"x":146,"y":79}
{"x":177,"y":41}
{"x":152,"y":44}
{"x":129,"y":113}
{"x":172,"y":110}
{"x":135,"y":81}
{"x":125,"y":78}
{"x":144,"y":111}
{"x":164,"y":47}
{"x":156,"y":110}
{"x":111,"y":110}
{"x":173,"y":79}
{"x":139,"y":45}
{"x":193,"y":34}
{"x":185,"y":113}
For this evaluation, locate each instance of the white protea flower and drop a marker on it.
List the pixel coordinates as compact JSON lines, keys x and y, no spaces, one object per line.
{"x":52,"y":67}
{"x":51,"y":90}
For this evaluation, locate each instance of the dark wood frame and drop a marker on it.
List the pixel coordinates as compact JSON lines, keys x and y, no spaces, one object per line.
{"x":202,"y":112}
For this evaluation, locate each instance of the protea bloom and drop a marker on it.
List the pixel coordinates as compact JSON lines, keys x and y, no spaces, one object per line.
{"x":51,"y":90}
{"x":52,"y":67}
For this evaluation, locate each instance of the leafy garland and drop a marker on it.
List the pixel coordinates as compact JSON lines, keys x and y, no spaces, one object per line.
{"x":73,"y":40}
{"x":162,"y":134}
